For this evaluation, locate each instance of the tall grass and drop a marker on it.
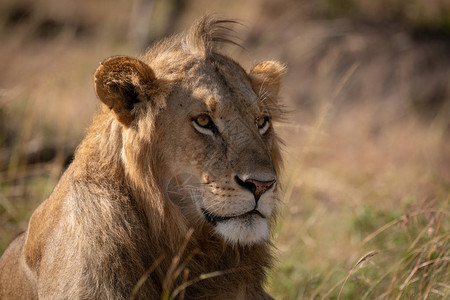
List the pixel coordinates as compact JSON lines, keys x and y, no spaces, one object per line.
{"x":364,"y":225}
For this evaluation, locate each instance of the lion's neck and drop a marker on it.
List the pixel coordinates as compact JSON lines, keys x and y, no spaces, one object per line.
{"x":230,"y":266}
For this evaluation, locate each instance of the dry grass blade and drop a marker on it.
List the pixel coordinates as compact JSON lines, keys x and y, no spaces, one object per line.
{"x":183,"y":286}
{"x":416,"y":268}
{"x":399,"y":219}
{"x":381,"y":229}
{"x":382,"y":277}
{"x":201,"y":277}
{"x":315,"y":293}
{"x":145,"y":276}
{"x":183,"y":265}
{"x":174,"y":269}
{"x":185,"y":279}
{"x":327,"y":294}
{"x":366,"y":257}
{"x":421,"y":233}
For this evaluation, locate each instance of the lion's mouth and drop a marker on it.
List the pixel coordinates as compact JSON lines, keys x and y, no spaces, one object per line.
{"x":213,"y":218}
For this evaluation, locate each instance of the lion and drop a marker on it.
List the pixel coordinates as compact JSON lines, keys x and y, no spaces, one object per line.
{"x":172,"y":192}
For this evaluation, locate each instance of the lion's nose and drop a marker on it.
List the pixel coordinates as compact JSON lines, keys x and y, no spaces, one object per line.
{"x":255,"y":186}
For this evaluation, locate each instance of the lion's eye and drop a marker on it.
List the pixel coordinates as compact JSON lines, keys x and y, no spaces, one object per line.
{"x":203,"y":120}
{"x":263,"y":124}
{"x":204,"y":124}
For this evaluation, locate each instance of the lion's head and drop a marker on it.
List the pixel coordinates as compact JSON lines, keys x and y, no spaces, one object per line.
{"x":204,"y":125}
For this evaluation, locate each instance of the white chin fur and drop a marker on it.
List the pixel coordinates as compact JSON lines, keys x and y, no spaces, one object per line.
{"x":244,"y":231}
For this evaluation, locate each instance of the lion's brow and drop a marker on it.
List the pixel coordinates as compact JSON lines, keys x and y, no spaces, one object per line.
{"x":212,"y":104}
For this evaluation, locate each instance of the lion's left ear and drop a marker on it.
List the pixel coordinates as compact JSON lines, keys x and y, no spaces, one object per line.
{"x":121,"y":82}
{"x":266,"y":78}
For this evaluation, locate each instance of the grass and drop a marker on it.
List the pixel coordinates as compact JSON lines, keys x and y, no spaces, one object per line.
{"x":372,"y":227}
{"x":362,"y":254}
{"x":418,"y":15}
{"x":365,"y":210}
{"x":17,"y":202}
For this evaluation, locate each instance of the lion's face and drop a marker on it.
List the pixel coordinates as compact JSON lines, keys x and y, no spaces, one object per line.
{"x":217,"y":145}
{"x":222,"y":138}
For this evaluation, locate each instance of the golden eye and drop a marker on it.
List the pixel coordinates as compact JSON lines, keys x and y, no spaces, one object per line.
{"x":204,"y":121}
{"x":205,"y":125}
{"x":263,"y":124}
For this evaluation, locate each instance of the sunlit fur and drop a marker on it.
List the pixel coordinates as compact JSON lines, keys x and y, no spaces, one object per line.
{"x":143,"y":174}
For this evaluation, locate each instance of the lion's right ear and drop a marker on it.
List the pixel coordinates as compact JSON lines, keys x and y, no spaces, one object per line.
{"x":266,"y":78}
{"x":121,"y":82}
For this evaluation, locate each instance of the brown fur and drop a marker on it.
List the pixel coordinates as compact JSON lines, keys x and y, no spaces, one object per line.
{"x":110,"y":218}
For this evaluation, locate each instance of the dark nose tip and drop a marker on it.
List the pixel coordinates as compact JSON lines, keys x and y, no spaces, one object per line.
{"x":256,"y":187}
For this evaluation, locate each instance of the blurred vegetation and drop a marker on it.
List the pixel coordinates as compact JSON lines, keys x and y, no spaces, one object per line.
{"x":420,"y":16}
{"x":367,"y":178}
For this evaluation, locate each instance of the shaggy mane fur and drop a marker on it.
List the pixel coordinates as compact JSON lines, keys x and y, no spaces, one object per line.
{"x":203,"y":38}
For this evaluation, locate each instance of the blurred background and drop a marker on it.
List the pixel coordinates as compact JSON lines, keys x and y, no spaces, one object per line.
{"x":367,"y":179}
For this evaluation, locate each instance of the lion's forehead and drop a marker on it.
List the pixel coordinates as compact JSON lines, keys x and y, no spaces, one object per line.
{"x":224,"y":81}
{"x":223,"y":99}
{"x":217,"y":100}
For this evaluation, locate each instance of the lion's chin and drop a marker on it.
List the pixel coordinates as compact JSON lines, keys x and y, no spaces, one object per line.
{"x":248,"y":231}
